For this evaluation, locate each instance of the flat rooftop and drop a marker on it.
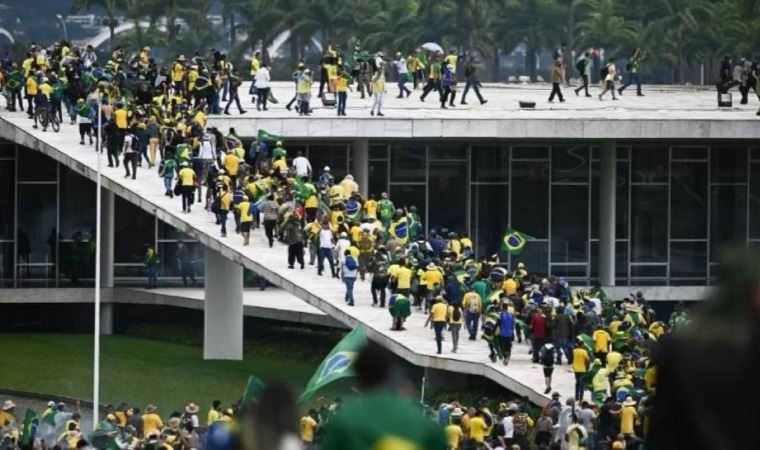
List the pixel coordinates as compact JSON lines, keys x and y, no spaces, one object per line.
{"x":665,"y":112}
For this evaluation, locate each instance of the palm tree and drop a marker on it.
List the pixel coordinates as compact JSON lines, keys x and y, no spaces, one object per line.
{"x":604,"y":26}
{"x":534,"y":23}
{"x":229,"y":9}
{"x":111,"y":6}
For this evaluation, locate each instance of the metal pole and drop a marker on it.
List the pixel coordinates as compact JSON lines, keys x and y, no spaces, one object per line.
{"x":422,"y":391}
{"x":65,"y":32}
{"x":96,"y":355}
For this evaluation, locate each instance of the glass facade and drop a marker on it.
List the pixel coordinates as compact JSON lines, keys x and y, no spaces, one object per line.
{"x":677,"y":207}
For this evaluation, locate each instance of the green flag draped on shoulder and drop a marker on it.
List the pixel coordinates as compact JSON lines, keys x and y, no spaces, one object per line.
{"x":31,"y":422}
{"x":514,"y":241}
{"x":588,"y":342}
{"x":338,"y":364}
{"x":264,"y":135}
{"x":252,"y":389}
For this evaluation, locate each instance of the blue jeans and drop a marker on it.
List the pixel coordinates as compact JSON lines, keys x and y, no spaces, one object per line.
{"x":402,"y":86}
{"x":564,"y":346}
{"x":633,"y":78}
{"x":168,"y":183}
{"x":322,"y":254}
{"x":342,"y":96}
{"x":439,"y":327}
{"x":580,"y":385}
{"x":349,"y":289}
{"x":223,"y":220}
{"x":152,"y":276}
{"x":471,"y":322}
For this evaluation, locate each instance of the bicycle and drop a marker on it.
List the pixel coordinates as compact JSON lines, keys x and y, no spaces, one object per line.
{"x":47,"y":118}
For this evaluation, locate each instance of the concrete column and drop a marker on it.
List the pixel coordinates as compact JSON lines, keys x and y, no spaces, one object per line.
{"x":607,"y":188}
{"x":108,"y":208}
{"x":106,"y":319}
{"x":223,"y":308}
{"x":360,"y":164}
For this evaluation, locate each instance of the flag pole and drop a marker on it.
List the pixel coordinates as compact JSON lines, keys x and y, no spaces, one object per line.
{"x":422,"y":391}
{"x":96,"y":355}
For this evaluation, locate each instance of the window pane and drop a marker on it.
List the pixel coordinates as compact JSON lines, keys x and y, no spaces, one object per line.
{"x":536,"y":258}
{"x":169,"y":264}
{"x":621,"y":260}
{"x":334,"y":156}
{"x":530,"y":198}
{"x":490,"y":163}
{"x":77,"y":261}
{"x":77,"y":204}
{"x":754,"y":202}
{"x":407,"y":195}
{"x":525,"y":152}
{"x":35,"y":166}
{"x":688,"y":259}
{"x":688,"y":200}
{"x":649,"y":227}
{"x":448,"y":152}
{"x":729,"y":165}
{"x":378,"y":177}
{"x":7,"y":197}
{"x":133,"y":229}
{"x":728,"y":218}
{"x":448,"y":195}
{"x":689,"y":152}
{"x":378,"y":152}
{"x":168,"y":232}
{"x":650,"y":164}
{"x":7,"y":149}
{"x":648,"y":271}
{"x":408,"y":163}
{"x":37,"y":207}
{"x":570,"y":164}
{"x":488,"y":221}
{"x":6,"y":264}
{"x":569,"y":223}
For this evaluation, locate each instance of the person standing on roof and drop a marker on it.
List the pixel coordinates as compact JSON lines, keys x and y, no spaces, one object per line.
{"x":262,"y":87}
{"x":403,"y":73}
{"x":378,"y":88}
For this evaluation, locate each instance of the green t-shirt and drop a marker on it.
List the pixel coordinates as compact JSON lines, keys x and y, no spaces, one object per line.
{"x":382,"y":421}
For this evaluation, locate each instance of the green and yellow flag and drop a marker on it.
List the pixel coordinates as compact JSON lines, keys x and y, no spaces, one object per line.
{"x":31,"y":422}
{"x":264,"y":135}
{"x":514,"y":241}
{"x":252,"y":390}
{"x":338,"y":364}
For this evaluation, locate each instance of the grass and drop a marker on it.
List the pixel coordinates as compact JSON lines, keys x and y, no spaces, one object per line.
{"x":138,"y":371}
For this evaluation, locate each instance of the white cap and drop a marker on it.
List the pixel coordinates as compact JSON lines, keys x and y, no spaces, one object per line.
{"x":327,"y":168}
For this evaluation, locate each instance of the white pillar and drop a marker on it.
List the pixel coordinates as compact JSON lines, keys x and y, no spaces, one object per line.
{"x":360,"y":164}
{"x":108,"y":207}
{"x":106,"y":318}
{"x":223,"y":308}
{"x":607,"y":188}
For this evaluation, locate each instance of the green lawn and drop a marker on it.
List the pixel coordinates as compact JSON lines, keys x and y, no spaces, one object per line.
{"x":138,"y":371}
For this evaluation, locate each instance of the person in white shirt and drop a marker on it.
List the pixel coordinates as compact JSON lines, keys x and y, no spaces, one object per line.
{"x":325,"y":250}
{"x":207,"y":156}
{"x":302,"y":166}
{"x":89,"y":57}
{"x":509,"y":428}
{"x":262,"y":87}
{"x":341,"y":247}
{"x":403,"y":72}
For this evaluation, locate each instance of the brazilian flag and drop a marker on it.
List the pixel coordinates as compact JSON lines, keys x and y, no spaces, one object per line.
{"x":231,"y":142}
{"x":587,"y":342}
{"x":253,"y":388}
{"x":264,"y":135}
{"x":400,"y":230}
{"x":302,"y":190}
{"x":514,"y":241}
{"x":31,"y":422}
{"x":338,"y":364}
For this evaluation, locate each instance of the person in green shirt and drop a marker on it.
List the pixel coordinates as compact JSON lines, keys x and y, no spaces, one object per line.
{"x":385,"y":209}
{"x":434,"y":78}
{"x":634,"y":69}
{"x":380,"y":419}
{"x":151,"y":266}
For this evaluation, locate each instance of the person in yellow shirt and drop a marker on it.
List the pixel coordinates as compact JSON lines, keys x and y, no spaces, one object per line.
{"x":178,"y":75}
{"x":601,"y":343}
{"x":342,"y":88}
{"x":255,"y":66}
{"x":31,"y":92}
{"x":403,"y":277}
{"x":454,"y":433}
{"x":581,"y":362}
{"x":151,"y":421}
{"x":214,"y":413}
{"x":246,"y":218}
{"x":378,"y":90}
{"x":225,"y":202}
{"x":478,"y":429}
{"x":187,"y":182}
{"x":437,"y":319}
{"x":472,"y":305}
{"x":370,"y":207}
{"x":432,"y":279}
{"x":455,"y":319}
{"x":628,"y":418}
{"x":231,"y":165}
{"x":308,"y":427}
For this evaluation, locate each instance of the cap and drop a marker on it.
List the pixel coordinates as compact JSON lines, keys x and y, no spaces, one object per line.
{"x":327,"y":168}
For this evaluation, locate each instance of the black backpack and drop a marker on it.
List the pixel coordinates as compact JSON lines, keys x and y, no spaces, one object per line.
{"x":604,"y":72}
{"x":547,"y":358}
{"x":581,"y":65}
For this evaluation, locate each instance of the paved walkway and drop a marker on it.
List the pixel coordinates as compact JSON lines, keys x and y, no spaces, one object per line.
{"x":415,"y":345}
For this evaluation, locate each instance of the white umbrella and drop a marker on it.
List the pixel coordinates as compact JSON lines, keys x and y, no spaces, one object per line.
{"x":433,"y":47}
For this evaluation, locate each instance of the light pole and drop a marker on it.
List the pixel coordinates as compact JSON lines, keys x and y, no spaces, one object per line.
{"x":63,"y":22}
{"x":96,"y":346}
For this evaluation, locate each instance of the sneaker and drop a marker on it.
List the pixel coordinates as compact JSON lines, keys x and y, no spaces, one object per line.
{"x":548,"y":390}
{"x":484,"y":102}
{"x":372,"y":113}
{"x":243,"y":112}
{"x":381,"y":114}
{"x":465,"y":103}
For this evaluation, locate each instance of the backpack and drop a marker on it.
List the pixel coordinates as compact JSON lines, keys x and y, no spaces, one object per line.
{"x":547,"y":356}
{"x":520,"y":423}
{"x":581,"y":65}
{"x":604,"y":72}
{"x":351,"y":263}
{"x":474,"y":306}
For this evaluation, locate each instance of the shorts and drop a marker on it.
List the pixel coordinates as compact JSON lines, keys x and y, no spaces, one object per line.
{"x":548,"y":371}
{"x":245,"y":227}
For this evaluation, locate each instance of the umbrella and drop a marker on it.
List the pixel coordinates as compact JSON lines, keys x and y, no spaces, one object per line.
{"x":433,"y":47}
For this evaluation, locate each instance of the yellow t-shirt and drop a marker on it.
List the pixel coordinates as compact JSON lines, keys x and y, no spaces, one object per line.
{"x":601,"y":341}
{"x":225,"y":200}
{"x":613,"y":360}
{"x":27,"y":66}
{"x":341,"y":85}
{"x":46,"y":89}
{"x":471,"y":297}
{"x":231,"y":164}
{"x":478,"y":429}
{"x":120,"y":116}
{"x":6,"y":418}
{"x":213,"y":416}
{"x":432,"y":277}
{"x":453,"y":436}
{"x":255,"y":65}
{"x":580,"y":360}
{"x":280,"y":165}
{"x":151,"y":422}
{"x":439,"y":312}
{"x":509,"y":286}
{"x":599,"y":382}
{"x":627,"y":418}
{"x":370,"y":208}
{"x":245,"y":211}
{"x":355,"y":233}
{"x":615,"y":326}
{"x":308,"y":425}
{"x":186,"y":176}
{"x":31,"y":86}
{"x":404,"y":278}
{"x":178,"y":72}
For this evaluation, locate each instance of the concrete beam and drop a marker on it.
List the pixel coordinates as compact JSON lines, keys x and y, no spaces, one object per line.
{"x":223,"y":308}
{"x":360,"y":164}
